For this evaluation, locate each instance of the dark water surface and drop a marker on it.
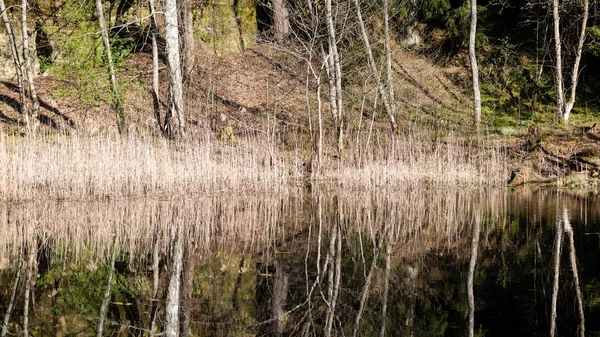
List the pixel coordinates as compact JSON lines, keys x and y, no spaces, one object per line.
{"x":408,"y":263}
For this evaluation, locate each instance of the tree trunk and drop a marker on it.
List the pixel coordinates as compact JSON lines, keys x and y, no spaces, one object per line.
{"x":386,"y":284}
{"x":279,"y":298}
{"x":474,"y":68}
{"x":388,"y":58}
{"x":573,"y":260}
{"x":187,"y":288}
{"x":238,"y":23}
{"x":172,"y":305}
{"x":116,"y":97}
{"x":106,"y":297}
{"x":28,"y":64}
{"x":471,"y":274}
{"x":560,"y":96}
{"x":380,"y":89}
{"x":13,"y":296}
{"x":174,"y":120}
{"x":16,"y":60}
{"x":155,"y":84}
{"x":575,"y":73}
{"x":187,"y":39}
{"x":336,"y":72}
{"x":281,"y":21}
{"x":28,"y":281}
{"x":557,"y":252}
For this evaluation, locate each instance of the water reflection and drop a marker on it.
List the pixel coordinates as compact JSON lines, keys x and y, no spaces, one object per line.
{"x":414,"y":263}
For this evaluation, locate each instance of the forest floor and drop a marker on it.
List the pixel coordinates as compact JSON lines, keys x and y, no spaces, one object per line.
{"x":265,"y":92}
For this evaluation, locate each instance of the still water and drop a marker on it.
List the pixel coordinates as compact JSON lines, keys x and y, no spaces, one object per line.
{"x":416,"y":262}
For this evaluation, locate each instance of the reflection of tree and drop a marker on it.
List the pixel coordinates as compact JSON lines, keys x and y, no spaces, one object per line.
{"x":472,"y":262}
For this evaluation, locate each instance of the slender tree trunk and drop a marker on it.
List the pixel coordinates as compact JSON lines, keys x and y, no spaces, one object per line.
{"x":187,"y":39}
{"x":557,"y":253}
{"x":106,"y":297}
{"x":474,"y":67}
{"x":388,"y":57}
{"x":575,"y":73}
{"x":386,"y":286}
{"x":174,"y":121}
{"x":279,"y":298}
{"x":573,"y":259}
{"x":336,"y":71}
{"x":28,"y":281}
{"x":380,"y":89}
{"x":471,"y":275}
{"x":28,"y":64}
{"x":335,"y":270}
{"x":281,"y":20}
{"x":155,"y":279}
{"x":13,"y":296}
{"x":16,"y":60}
{"x":172,"y":305}
{"x":560,"y":96}
{"x":187,"y":288}
{"x":116,"y":96}
{"x":155,"y":83}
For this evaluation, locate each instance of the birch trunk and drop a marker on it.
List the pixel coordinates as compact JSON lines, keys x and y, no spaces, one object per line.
{"x":28,"y":281}
{"x":371,"y":60}
{"x":16,"y":60}
{"x":471,"y":274}
{"x":155,"y":279}
{"x":13,"y":296}
{"x":106,"y":297}
{"x":573,"y":260}
{"x":172,"y":305}
{"x":155,"y":83}
{"x":388,"y":58}
{"x":386,"y":287}
{"x":174,"y":120}
{"x":32,"y":120}
{"x":116,"y":97}
{"x":560,"y":96}
{"x":336,"y":73}
{"x":557,"y":252}
{"x":187,"y":39}
{"x":474,"y":67}
{"x":575,"y":73}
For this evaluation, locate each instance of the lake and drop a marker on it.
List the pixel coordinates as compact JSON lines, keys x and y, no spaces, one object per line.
{"x":412,"y":262}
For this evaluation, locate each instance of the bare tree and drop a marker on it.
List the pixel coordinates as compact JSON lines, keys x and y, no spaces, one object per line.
{"x":560,"y":95}
{"x":474,"y":68}
{"x":334,"y":72}
{"x":174,"y":119}
{"x":116,"y":97}
{"x":380,"y":88}
{"x":28,"y":65}
{"x":16,"y":60}
{"x":575,"y":72}
{"x":187,"y":38}
{"x":155,"y":92}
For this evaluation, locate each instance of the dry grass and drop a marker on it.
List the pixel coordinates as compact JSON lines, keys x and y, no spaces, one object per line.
{"x":72,"y":167}
{"x":81,"y":168}
{"x":395,"y":162}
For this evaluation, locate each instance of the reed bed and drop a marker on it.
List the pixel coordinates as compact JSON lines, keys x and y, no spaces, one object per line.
{"x":76,"y":168}
{"x":394,"y":162}
{"x":83,"y":168}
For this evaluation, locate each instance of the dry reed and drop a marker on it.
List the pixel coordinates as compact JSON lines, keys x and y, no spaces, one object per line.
{"x":79,"y":168}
